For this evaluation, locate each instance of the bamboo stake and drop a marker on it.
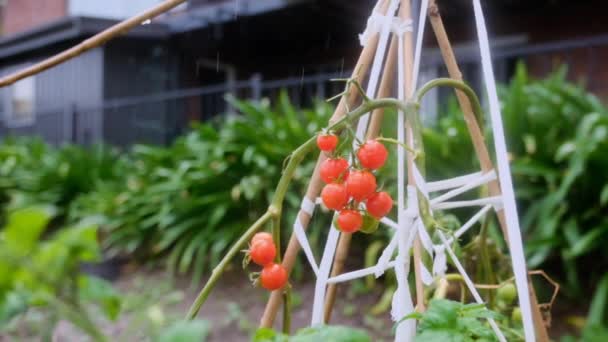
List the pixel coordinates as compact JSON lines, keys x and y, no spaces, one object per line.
{"x":375,"y":125}
{"x":479,"y":144}
{"x":315,"y":184}
{"x":88,"y":44}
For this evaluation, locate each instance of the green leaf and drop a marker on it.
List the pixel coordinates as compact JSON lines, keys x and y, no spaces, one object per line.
{"x":334,"y":333}
{"x":101,"y":292}
{"x":185,"y":331}
{"x":268,"y":335}
{"x":24,"y":228}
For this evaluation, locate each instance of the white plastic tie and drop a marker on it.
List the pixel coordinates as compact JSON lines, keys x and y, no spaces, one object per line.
{"x":307,"y":206}
{"x":504,"y":175}
{"x":439,"y":261}
{"x":298,"y":230}
{"x":452,"y":183}
{"x":425,"y":239}
{"x":427,"y":278}
{"x":494,"y":201}
{"x":420,"y":182}
{"x":400,"y":26}
{"x":483,"y":179}
{"x":386,"y":256}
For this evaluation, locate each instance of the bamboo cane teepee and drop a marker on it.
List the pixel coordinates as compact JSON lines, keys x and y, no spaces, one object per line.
{"x":390,"y":27}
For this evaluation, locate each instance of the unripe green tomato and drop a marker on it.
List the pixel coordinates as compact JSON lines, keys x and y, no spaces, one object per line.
{"x":516,"y":315}
{"x":370,"y":224}
{"x":507,"y":293}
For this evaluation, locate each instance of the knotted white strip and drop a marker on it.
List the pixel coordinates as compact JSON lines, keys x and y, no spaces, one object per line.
{"x":470,"y":285}
{"x":376,"y":22}
{"x":484,"y":179}
{"x":504,"y":173}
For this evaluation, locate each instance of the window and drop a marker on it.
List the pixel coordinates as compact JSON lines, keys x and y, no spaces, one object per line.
{"x":21,"y":102}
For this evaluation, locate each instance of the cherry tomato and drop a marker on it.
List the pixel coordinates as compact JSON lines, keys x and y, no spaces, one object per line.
{"x":349,"y":221}
{"x":261,"y":236}
{"x":334,"y":196}
{"x":379,"y":204}
{"x":370,"y":224}
{"x":333,"y":170}
{"x":263,"y":252}
{"x":506,"y":293}
{"x":327,"y":142}
{"x":273,"y":277}
{"x":360,"y":185}
{"x":372,"y":155}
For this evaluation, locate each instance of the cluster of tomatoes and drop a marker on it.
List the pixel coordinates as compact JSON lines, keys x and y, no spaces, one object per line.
{"x":348,"y":186}
{"x":262,"y":251}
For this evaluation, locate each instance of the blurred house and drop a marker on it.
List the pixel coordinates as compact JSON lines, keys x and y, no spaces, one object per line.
{"x":147,"y":85}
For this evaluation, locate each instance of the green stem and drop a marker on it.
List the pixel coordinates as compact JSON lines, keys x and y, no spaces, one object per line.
{"x":448,"y":82}
{"x":276,"y":205}
{"x":397,"y":142}
{"x":219,"y":269}
{"x":287,"y":310}
{"x":487,"y":273}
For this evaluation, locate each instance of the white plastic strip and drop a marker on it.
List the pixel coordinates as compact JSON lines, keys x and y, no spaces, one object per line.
{"x":386,"y":255}
{"x":424,"y":6}
{"x":298,"y":230}
{"x":364,"y":272}
{"x":494,"y":201}
{"x":387,"y":221}
{"x":323,"y":275}
{"x":420,"y":182}
{"x":474,"y":219}
{"x":470,"y":285}
{"x":504,"y":173}
{"x":484,"y":179}
{"x":451,"y":183}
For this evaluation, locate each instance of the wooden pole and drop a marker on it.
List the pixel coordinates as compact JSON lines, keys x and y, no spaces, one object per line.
{"x":315,"y":185}
{"x":375,"y":125}
{"x":479,"y":144}
{"x":93,"y":42}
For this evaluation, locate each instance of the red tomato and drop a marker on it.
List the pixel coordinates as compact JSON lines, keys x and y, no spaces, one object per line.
{"x":372,"y":155}
{"x":334,"y":196}
{"x":273,"y":277}
{"x":327,"y":142}
{"x":263,"y":252}
{"x":333,"y":170}
{"x":379,"y":204}
{"x":349,"y":221}
{"x":360,"y":185}
{"x":261,"y":236}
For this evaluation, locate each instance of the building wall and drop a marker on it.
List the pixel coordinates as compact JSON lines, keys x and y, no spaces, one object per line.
{"x":77,"y":83}
{"x":22,"y":15}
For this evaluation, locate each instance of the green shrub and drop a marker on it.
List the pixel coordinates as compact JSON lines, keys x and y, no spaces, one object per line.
{"x":191,"y":200}
{"x":557,"y":135}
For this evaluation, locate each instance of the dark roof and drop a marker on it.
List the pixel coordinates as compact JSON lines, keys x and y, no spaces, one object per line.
{"x":70,"y":28}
